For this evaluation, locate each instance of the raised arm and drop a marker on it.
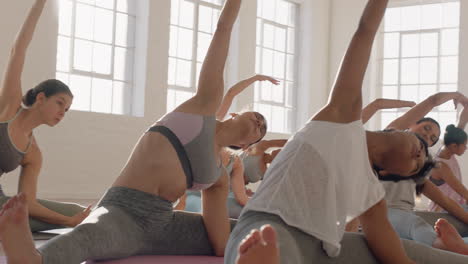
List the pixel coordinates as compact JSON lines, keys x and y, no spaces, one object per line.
{"x":376,"y":226}
{"x":30,"y":168}
{"x":380,"y":104}
{"x":211,"y":82}
{"x":345,"y":102}
{"x":264,"y":145}
{"x":446,"y":174}
{"x":463,"y":119}
{"x":238,"y":182}
{"x":423,"y":108}
{"x":433,"y":193}
{"x":237,"y":89}
{"x":10,"y":91}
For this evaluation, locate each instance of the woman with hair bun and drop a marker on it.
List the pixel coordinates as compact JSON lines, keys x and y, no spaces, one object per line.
{"x":45,"y":104}
{"x":448,"y":176}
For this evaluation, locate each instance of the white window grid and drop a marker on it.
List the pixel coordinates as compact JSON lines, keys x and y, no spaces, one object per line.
{"x":427,"y":44}
{"x":193,"y":23}
{"x":276,"y":56}
{"x":95,"y":53}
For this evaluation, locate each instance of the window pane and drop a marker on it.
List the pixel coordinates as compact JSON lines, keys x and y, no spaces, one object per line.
{"x":290,"y":68}
{"x":409,"y":71}
{"x":451,"y":14}
{"x":278,"y":65}
{"x":278,"y":122}
{"x":282,"y":12}
{"x":280,"y":39}
{"x":448,"y":87}
{"x":103,"y":30}
{"x":392,"y":45}
{"x":184,"y":47}
{"x":278,"y":93}
{"x":390,"y":92}
{"x":81,"y":89}
{"x":84,"y":24}
{"x":450,"y":39}
{"x":101,"y":97}
{"x":174,"y":11}
{"x":428,"y":70}
{"x":266,"y":91}
{"x":102,"y":58}
{"x":410,"y":45}
{"x":268,"y":10}
{"x":447,"y":118}
{"x":109,"y":4}
{"x":390,"y":72}
{"x":409,"y":92}
{"x":449,"y":70}
{"x":184,"y":73}
{"x":429,"y":45}
{"x":124,"y":34}
{"x":392,"y":19}
{"x":204,"y":19}
{"x":425,"y":91}
{"x":431,"y":16}
{"x":410,"y":18}
{"x":267,"y":63}
{"x":65,"y":17}
{"x":83,"y":55}
{"x":173,"y":41}
{"x":186,"y":13}
{"x":268,"y":36}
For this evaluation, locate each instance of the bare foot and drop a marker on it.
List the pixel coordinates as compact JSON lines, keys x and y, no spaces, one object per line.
{"x":448,"y":238}
{"x":15,"y":233}
{"x":259,"y":247}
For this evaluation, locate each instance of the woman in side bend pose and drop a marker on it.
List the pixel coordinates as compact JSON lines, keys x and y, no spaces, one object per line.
{"x":46,"y":104}
{"x":135,"y":216}
{"x":323,"y":177}
{"x":448,"y":176}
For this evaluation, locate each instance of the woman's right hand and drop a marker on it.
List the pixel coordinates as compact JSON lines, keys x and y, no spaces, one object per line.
{"x":79,"y":217}
{"x":260,"y":78}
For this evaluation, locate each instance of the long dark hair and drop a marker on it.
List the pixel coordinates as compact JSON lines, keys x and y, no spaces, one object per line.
{"x":48,"y":87}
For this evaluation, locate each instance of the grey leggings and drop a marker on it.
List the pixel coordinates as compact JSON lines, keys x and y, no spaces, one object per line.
{"x":297,"y":247}
{"x":67,"y":209}
{"x":128,"y":222}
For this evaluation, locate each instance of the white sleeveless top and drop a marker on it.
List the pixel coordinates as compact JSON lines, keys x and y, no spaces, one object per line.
{"x":320,"y":180}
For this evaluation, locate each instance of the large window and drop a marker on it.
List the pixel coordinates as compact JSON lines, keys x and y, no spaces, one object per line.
{"x":420,"y":56}
{"x":95,"y":53}
{"x":276,"y":56}
{"x":193,"y":23}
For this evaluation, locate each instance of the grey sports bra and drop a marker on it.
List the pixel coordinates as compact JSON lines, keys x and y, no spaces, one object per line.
{"x":252,"y":168}
{"x":10,"y":155}
{"x":192,"y":137}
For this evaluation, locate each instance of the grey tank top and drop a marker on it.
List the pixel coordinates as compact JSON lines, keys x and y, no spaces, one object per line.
{"x":10,"y":155}
{"x":252,"y":168}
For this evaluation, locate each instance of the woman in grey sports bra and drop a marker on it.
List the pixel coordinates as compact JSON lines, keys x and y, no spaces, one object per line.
{"x":45,"y":104}
{"x":179,"y":152}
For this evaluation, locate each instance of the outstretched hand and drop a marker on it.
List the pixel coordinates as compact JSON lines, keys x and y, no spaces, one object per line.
{"x":79,"y":217}
{"x":261,"y":78}
{"x":391,"y":103}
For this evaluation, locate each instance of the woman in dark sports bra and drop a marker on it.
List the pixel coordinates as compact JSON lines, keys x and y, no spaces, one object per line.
{"x":179,"y":152}
{"x":46,"y":104}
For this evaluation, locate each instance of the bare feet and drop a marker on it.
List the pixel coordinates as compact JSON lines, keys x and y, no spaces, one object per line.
{"x":15,"y":233}
{"x":259,"y":247}
{"x":448,"y":238}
